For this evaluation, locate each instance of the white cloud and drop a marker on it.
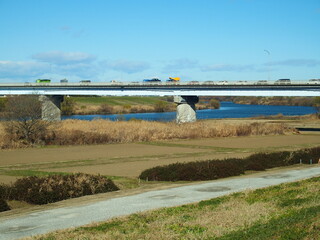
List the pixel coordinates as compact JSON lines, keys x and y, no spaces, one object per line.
{"x":22,"y":68}
{"x":26,"y":70}
{"x":127,"y":66}
{"x":58,"y":57}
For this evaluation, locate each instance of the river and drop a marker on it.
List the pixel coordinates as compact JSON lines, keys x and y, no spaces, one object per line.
{"x":227,"y":110}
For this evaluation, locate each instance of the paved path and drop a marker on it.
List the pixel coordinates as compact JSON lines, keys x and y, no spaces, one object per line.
{"x":60,"y":218}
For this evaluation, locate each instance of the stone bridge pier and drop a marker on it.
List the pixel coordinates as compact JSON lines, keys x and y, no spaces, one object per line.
{"x":51,"y":107}
{"x":186,"y":109}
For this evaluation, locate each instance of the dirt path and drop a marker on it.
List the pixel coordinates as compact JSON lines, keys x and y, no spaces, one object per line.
{"x":130,"y":159}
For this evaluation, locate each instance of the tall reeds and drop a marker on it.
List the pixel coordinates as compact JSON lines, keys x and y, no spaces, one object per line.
{"x":78,"y":132}
{"x":104,"y":131}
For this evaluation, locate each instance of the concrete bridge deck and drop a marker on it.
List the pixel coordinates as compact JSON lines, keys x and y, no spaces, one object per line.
{"x":107,"y":89}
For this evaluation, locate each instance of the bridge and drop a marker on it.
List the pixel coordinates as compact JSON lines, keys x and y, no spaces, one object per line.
{"x":185,"y":94}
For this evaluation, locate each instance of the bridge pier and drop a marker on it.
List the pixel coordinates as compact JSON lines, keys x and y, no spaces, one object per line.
{"x":186,"y":109}
{"x":51,"y":107}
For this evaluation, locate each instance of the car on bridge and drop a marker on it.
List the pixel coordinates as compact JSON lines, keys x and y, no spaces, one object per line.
{"x":262,"y":82}
{"x":283,"y":81}
{"x":152,"y":80}
{"x":193,"y":83}
{"x":241,"y":82}
{"x":85,"y":81}
{"x":314,"y":81}
{"x":115,"y":82}
{"x":208,"y":83}
{"x":222,"y":82}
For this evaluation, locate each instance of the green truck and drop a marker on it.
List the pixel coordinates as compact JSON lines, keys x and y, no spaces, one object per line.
{"x":43,"y":81}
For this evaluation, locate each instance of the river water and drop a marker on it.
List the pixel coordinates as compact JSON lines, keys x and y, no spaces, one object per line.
{"x":227,"y":110}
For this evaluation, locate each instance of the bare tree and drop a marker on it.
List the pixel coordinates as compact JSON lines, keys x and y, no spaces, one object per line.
{"x":24,"y":123}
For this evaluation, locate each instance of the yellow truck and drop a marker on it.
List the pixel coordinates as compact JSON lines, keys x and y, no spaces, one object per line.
{"x":175,"y":79}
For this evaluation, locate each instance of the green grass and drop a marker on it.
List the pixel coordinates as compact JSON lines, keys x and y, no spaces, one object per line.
{"x":125,"y":100}
{"x":286,"y":211}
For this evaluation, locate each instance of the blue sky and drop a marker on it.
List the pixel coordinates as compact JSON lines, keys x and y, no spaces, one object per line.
{"x":129,"y":40}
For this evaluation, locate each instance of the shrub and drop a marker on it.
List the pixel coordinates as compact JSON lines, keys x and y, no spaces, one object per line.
{"x":4,"y":191}
{"x":161,"y":106}
{"x":262,"y":161}
{"x":68,"y":106}
{"x":194,"y":171}
{"x":4,"y":205}
{"x":214,"y":104}
{"x":105,"y":109}
{"x":43,"y":190}
{"x":214,"y":169}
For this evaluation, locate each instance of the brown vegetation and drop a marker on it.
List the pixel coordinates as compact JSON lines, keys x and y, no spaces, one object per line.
{"x":288,"y":101}
{"x":53,"y":188}
{"x":3,"y":205}
{"x":24,"y":124}
{"x":79,"y":132}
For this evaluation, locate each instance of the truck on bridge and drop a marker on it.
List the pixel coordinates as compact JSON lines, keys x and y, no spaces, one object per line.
{"x":43,"y":80}
{"x":173,"y":79}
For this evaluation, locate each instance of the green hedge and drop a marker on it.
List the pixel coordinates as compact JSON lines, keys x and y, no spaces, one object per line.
{"x":214,"y":169}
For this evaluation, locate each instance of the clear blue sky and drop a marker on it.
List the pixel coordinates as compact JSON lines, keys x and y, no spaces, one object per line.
{"x":129,"y":40}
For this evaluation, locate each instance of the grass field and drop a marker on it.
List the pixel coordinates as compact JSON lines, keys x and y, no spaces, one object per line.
{"x":115,"y":101}
{"x":118,"y":105}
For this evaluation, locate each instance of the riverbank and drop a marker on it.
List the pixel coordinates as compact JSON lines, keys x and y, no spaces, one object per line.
{"x":226,"y":110}
{"x":125,"y":104}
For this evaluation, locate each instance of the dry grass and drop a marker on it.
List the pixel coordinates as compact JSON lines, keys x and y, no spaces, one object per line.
{"x":171,"y":224}
{"x":79,"y":132}
{"x":104,"y":131}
